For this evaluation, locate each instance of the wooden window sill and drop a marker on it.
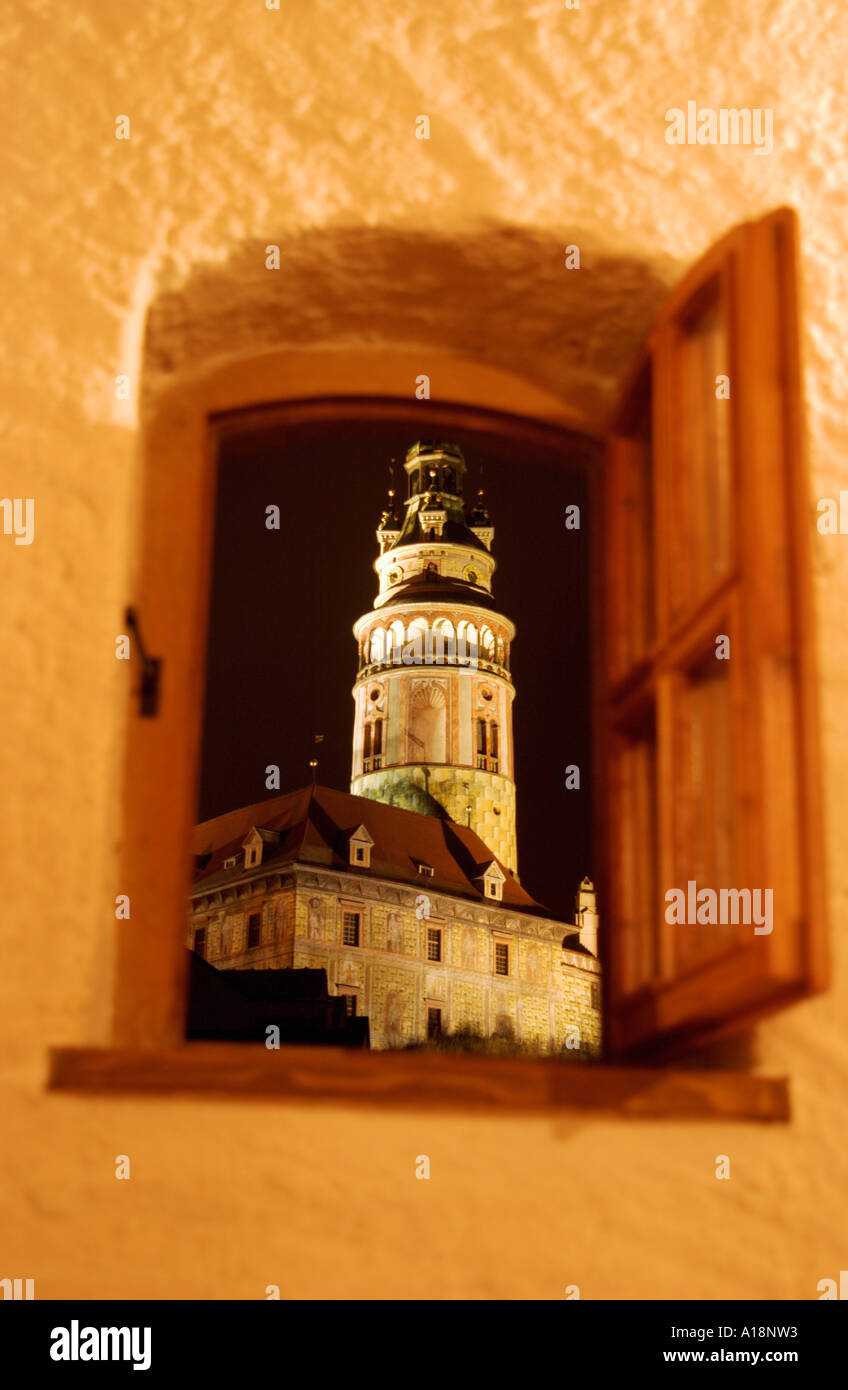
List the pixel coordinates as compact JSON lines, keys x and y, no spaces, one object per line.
{"x":418,"y":1081}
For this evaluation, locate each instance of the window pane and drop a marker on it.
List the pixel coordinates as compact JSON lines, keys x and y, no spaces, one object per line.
{"x":700,"y":468}
{"x":704,"y":809}
{"x":637,"y":883}
{"x":637,"y":520}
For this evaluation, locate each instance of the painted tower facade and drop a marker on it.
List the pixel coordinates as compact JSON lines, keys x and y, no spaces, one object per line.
{"x":433,"y":694}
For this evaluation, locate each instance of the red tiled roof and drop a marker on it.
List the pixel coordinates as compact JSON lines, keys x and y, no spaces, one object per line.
{"x":314,"y":822}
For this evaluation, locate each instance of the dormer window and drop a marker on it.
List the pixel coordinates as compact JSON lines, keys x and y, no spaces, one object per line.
{"x":255,"y":844}
{"x":231,"y":862}
{"x":360,"y":845}
{"x":426,"y":870}
{"x":491,"y":881}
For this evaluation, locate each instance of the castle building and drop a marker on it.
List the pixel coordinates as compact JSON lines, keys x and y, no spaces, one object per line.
{"x":405,"y":890}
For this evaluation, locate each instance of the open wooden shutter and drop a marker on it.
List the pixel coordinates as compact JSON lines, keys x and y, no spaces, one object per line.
{"x":710,"y":764}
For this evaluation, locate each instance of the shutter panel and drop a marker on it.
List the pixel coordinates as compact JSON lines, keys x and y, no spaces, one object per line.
{"x":710,"y":765}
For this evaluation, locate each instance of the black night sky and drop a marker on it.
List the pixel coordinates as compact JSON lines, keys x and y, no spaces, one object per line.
{"x":282,"y":659}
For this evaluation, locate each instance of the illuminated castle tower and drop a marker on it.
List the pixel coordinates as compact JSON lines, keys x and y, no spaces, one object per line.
{"x":433,"y":695}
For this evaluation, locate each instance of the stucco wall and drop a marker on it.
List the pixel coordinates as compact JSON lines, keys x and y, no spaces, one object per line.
{"x":250,"y":127}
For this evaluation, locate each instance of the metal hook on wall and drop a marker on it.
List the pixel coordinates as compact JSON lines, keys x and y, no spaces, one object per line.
{"x":151,"y":666}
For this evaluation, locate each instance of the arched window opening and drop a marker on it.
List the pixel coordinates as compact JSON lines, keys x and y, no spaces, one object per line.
{"x":376,"y":652}
{"x":397,"y":641}
{"x":466,"y":643}
{"x":444,"y":642}
{"x":377,"y":744}
{"x":415,"y":651}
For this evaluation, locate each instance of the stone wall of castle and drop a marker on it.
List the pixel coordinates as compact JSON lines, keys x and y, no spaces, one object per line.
{"x":547,"y":992}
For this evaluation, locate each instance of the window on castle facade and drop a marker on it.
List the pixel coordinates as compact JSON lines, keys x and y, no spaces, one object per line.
{"x":200,"y":941}
{"x":366,"y":748}
{"x":350,"y":928}
{"x":434,"y":1022}
{"x":378,"y":744}
{"x":254,"y":930}
{"x":434,"y":943}
{"x":488,"y":745}
{"x":349,"y":996}
{"x":481,"y":743}
{"x":501,"y":958}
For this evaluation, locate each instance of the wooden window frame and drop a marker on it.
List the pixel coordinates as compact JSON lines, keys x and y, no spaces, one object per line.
{"x":147,"y":1051}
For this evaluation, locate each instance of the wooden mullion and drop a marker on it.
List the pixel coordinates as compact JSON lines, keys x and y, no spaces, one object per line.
{"x":768,"y":607}
{"x":783,"y":227}
{"x":663,"y":482}
{"x":665,"y":801}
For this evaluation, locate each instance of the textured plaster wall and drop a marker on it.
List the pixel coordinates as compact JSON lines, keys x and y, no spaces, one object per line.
{"x":250,"y":127}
